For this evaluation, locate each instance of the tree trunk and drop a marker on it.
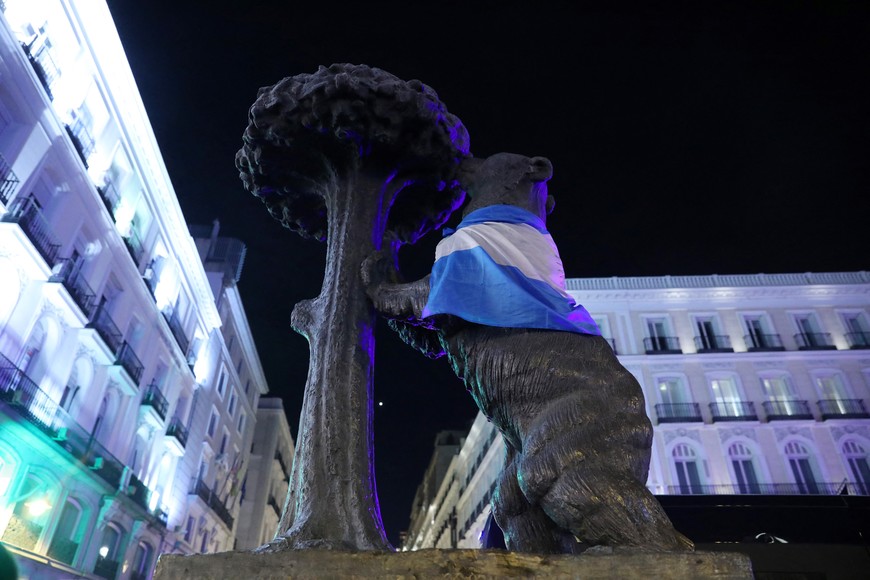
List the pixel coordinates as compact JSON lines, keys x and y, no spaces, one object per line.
{"x":332,"y":498}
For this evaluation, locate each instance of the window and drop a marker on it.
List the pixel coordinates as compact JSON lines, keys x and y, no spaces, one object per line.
{"x":65,"y":542}
{"x":188,"y":529}
{"x":673,"y":391}
{"x":222,"y":383}
{"x":231,"y":408}
{"x":727,"y":400}
{"x":223,"y":446}
{"x":743,"y":468}
{"x":760,"y":334}
{"x":604,"y":325}
{"x":109,"y":546}
{"x":659,"y":338}
{"x":708,"y":336}
{"x":857,"y":459}
{"x":239,"y":367}
{"x":809,"y":334}
{"x":142,"y":559}
{"x":686,"y":467}
{"x":247,"y":386}
{"x":857,"y":329}
{"x":212,"y":423}
{"x":802,"y":468}
{"x":781,"y":397}
{"x":242,"y":423}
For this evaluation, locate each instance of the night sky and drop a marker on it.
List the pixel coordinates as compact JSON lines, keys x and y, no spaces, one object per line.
{"x":687,"y":138}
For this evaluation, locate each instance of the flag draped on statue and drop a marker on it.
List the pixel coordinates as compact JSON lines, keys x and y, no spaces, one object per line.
{"x":500,"y":267}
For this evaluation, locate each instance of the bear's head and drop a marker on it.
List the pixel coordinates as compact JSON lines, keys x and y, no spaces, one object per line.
{"x":508,"y":178}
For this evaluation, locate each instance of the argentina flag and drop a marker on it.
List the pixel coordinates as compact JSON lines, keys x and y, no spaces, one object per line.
{"x":500,"y":267}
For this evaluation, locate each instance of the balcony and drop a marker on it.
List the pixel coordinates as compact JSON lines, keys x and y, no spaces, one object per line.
{"x":43,"y":65}
{"x":787,"y":409}
{"x":141,"y":496}
{"x":678,"y":413}
{"x":27,"y":214}
{"x":757,"y":342}
{"x":81,"y":139}
{"x":131,"y":363}
{"x":63,"y":549}
{"x":8,"y":180}
{"x":733,"y":411}
{"x":176,"y":435}
{"x":110,"y":196}
{"x":858,"y":340}
{"x":171,"y":316}
{"x":843,"y":409}
{"x":35,"y":406}
{"x":211,"y":500}
{"x":155,"y":404}
{"x":70,"y":276}
{"x":808,"y":488}
{"x":713,"y":343}
{"x":814,"y":341}
{"x":105,"y":568}
{"x":662,"y":345}
{"x":107,"y":329}
{"x":134,"y":246}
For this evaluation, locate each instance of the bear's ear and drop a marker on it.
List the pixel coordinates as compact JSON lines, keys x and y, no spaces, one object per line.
{"x":540,"y":169}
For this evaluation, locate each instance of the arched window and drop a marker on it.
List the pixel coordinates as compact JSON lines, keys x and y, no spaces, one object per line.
{"x":743,"y":467}
{"x":65,"y":541}
{"x":802,"y":469}
{"x":857,"y":459}
{"x":686,"y":466}
{"x":109,"y":551}
{"x":30,"y":514}
{"x":142,"y":560}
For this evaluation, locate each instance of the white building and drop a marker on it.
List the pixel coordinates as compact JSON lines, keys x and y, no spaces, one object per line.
{"x":128,"y":375}
{"x":265,"y":487}
{"x":755,"y":384}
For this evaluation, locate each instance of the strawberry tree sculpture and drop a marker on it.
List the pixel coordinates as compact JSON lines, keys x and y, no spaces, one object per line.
{"x":365,"y":161}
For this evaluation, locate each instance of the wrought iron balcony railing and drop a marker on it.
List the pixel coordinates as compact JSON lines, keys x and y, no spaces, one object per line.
{"x":43,"y":65}
{"x":105,"y":568}
{"x":75,"y":283}
{"x":178,"y":430}
{"x":678,"y":412}
{"x":787,"y":409}
{"x":81,"y":139}
{"x":127,"y":358}
{"x":662,"y":345}
{"x":814,"y":341}
{"x":843,"y":409}
{"x":763,"y":342}
{"x":212,"y":500}
{"x":26,"y":213}
{"x":713,"y":343}
{"x":805,"y":488}
{"x":107,"y":329}
{"x":858,"y":339}
{"x":8,"y":180}
{"x":175,"y":326}
{"x":154,"y":398}
{"x":733,"y":411}
{"x":110,"y":196}
{"x":134,"y":246}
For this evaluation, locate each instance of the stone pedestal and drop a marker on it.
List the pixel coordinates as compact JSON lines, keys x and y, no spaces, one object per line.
{"x":458,"y":564}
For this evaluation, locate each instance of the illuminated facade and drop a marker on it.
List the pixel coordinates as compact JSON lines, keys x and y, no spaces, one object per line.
{"x":265,"y":486}
{"x":128,"y":376}
{"x":755,"y":384}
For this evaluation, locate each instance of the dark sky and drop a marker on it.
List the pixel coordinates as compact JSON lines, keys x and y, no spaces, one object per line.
{"x":687,"y":138}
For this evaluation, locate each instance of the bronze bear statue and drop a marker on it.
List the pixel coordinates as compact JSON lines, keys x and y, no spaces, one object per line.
{"x":572,"y":417}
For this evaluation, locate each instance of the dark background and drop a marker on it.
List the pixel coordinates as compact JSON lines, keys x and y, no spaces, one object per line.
{"x":687,"y":138}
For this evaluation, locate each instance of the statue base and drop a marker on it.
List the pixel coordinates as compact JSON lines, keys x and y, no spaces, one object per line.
{"x":602,"y":564}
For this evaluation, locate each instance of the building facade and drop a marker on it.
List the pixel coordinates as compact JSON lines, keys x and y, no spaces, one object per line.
{"x":128,"y":376}
{"x":265,"y":486}
{"x":755,"y":384}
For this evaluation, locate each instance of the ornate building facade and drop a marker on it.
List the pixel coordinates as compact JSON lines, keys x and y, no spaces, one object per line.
{"x":755,"y":384}
{"x":128,"y":375}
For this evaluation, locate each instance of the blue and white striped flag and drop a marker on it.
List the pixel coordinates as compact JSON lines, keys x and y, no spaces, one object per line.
{"x":500,"y":267}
